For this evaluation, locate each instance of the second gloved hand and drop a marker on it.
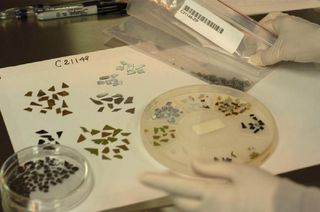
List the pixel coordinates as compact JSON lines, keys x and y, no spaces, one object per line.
{"x":244,"y":189}
{"x":298,"y":40}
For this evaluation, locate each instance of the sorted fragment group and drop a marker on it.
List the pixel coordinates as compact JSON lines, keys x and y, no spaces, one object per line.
{"x":255,"y":126}
{"x":49,"y":100}
{"x":109,"y":142}
{"x":201,"y":101}
{"x":131,"y":68}
{"x":234,"y":82}
{"x":40,"y":175}
{"x":46,"y":138}
{"x":168,"y":112}
{"x":114,"y":103}
{"x":162,"y":134}
{"x":111,"y":80}
{"x":229,"y":106}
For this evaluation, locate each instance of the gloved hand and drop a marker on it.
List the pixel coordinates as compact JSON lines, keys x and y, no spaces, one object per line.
{"x":298,"y":40}
{"x":245,"y":189}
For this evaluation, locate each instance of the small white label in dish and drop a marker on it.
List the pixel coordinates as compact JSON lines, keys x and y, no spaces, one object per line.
{"x":208,"y":126}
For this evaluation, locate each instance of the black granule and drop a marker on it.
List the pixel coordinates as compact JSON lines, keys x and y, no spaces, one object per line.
{"x":40,"y":175}
{"x":234,"y":82}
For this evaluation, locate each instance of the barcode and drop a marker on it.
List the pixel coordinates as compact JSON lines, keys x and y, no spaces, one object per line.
{"x":203,"y":19}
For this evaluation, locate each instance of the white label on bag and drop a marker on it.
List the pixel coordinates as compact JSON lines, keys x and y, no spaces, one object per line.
{"x":210,"y":26}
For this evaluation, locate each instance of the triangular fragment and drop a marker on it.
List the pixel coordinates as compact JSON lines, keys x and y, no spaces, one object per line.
{"x":59,"y":133}
{"x":35,"y":104}
{"x":64,"y":104}
{"x":106,"y":150}
{"x":84,"y":129}
{"x":105,"y":157}
{"x":66,"y":112}
{"x":42,"y":132}
{"x":126,"y":141}
{"x":107,"y":127}
{"x":41,"y":93}
{"x":64,"y":85}
{"x":52,"y":88}
{"x":94,"y":132}
{"x":101,"y":109}
{"x":129,"y":100}
{"x":131,"y":110}
{"x":81,"y":138}
{"x":55,"y":97}
{"x":93,"y":151}
{"x":41,"y":141}
{"x":28,"y":93}
{"x":123,"y":147}
{"x":116,"y":132}
{"x":97,"y":102}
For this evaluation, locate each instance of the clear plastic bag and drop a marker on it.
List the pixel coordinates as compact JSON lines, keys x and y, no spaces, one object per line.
{"x":203,"y":63}
{"x":207,"y":24}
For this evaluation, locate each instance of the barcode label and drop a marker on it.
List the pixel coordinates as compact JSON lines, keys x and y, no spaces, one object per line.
{"x":198,"y":16}
{"x":210,"y":26}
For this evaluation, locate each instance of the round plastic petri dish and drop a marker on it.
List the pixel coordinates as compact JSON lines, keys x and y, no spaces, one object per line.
{"x":45,"y":178}
{"x":207,"y":123}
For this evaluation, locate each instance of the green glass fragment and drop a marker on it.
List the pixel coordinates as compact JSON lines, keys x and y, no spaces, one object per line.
{"x":126,"y":141}
{"x":125,"y":134}
{"x":107,"y":127}
{"x":93,"y":151}
{"x":118,"y":156}
{"x":112,"y":139}
{"x":106,"y":150}
{"x":84,"y":129}
{"x":105,"y":157}
{"x":123,"y":147}
{"x":105,"y":134}
{"x":94,"y":132}
{"x":99,"y":141}
{"x":81,"y":138}
{"x":97,"y":102}
{"x":116,"y":151}
{"x":116,"y":132}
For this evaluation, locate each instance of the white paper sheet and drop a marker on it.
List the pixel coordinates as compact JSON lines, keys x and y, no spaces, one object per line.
{"x":253,"y":7}
{"x":116,"y":181}
{"x":291,"y":92}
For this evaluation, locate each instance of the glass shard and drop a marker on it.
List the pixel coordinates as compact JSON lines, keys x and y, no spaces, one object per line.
{"x":93,"y":151}
{"x":28,"y":93}
{"x":81,"y":138}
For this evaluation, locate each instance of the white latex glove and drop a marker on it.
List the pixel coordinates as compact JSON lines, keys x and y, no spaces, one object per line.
{"x":298,"y":40}
{"x":247,"y":189}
